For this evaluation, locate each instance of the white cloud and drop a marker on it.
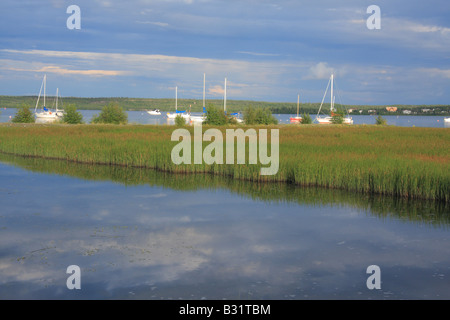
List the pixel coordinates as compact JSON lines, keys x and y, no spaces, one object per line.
{"x":444,"y":73}
{"x":259,"y":54}
{"x":420,"y":28}
{"x":156,"y":23}
{"x":233,"y":89}
{"x":320,"y":71}
{"x":405,"y":33}
{"x":64,"y":71}
{"x":216,"y":90}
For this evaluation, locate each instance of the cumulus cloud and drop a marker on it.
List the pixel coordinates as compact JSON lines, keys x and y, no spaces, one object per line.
{"x":320,"y":71}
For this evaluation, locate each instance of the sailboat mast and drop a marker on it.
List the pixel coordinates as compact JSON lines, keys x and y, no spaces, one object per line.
{"x":332,"y":98}
{"x":204,"y":79}
{"x":45,"y":80}
{"x":56,"y":99}
{"x":40,"y":91}
{"x":298,"y":102}
{"x":176,"y":98}
{"x":225,"y":97}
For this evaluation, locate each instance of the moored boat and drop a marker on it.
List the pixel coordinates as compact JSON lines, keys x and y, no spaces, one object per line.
{"x":154,"y":112}
{"x":173,"y":115}
{"x":297,"y":119}
{"x":329,"y":119}
{"x":45,"y":114}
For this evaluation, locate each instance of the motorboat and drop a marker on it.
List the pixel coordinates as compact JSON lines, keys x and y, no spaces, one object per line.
{"x":155,"y":112}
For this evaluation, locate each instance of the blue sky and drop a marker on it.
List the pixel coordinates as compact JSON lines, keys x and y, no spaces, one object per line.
{"x":268,"y":50}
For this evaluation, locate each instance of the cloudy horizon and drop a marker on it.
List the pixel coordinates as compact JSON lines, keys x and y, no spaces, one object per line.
{"x":267,"y":50}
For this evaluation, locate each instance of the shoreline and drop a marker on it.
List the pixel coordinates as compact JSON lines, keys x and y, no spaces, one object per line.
{"x":233,"y":105}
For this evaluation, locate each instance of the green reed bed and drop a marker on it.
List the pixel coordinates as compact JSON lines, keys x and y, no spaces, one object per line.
{"x":405,"y":162}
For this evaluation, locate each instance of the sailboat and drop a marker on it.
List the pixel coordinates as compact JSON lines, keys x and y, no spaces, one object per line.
{"x":447,"y":120}
{"x":173,"y":115}
{"x":59,"y":113}
{"x":201,"y":118}
{"x":298,"y":118}
{"x":154,"y":112}
{"x":329,"y":119}
{"x":46,"y":114}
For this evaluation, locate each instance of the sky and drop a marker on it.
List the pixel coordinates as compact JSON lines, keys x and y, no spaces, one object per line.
{"x":267,"y":50}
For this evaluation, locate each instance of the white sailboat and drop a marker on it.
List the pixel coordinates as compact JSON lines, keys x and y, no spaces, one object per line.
{"x":298,"y":118}
{"x":59,"y":113}
{"x":45,"y":114}
{"x":173,"y":115}
{"x":329,"y":119}
{"x":447,"y":120}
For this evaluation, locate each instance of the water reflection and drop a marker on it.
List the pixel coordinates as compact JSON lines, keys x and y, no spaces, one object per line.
{"x":422,"y":211}
{"x":141,"y":234}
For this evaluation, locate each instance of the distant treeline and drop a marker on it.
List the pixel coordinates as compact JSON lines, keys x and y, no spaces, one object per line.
{"x":232,"y":105}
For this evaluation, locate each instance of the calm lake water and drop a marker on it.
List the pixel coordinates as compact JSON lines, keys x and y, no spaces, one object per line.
{"x":141,"y":234}
{"x":142,"y":117}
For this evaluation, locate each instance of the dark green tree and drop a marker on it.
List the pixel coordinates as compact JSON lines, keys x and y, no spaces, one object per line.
{"x":259,"y":116}
{"x":380,"y":121}
{"x":215,"y":116}
{"x":24,"y":115}
{"x":306,"y":119}
{"x":71,"y":115}
{"x":180,"y":120}
{"x":111,"y":113}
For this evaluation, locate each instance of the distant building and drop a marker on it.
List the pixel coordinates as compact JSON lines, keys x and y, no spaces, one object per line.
{"x":426,"y":110}
{"x":406,"y":111}
{"x":391,"y":109}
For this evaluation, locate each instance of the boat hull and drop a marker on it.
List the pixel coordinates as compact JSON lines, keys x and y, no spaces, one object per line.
{"x":48,"y":115}
{"x":197,"y":119}
{"x":328,"y":120}
{"x":174,"y":115}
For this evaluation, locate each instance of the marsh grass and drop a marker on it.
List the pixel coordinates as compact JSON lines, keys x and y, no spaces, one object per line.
{"x":398,"y":161}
